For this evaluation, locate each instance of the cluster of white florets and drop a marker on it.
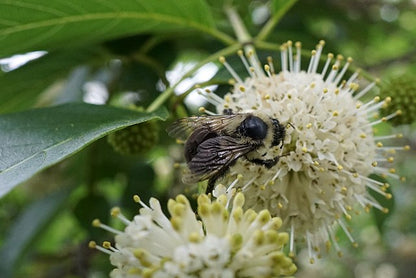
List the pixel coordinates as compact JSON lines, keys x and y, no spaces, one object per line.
{"x":328,"y":153}
{"x":223,"y":243}
{"x":329,"y":149}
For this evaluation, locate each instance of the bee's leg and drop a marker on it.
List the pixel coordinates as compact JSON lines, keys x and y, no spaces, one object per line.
{"x":214,"y":178}
{"x":210,"y":186}
{"x":268,"y":163}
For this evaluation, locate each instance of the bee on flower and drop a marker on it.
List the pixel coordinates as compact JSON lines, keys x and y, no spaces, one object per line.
{"x":314,"y":168}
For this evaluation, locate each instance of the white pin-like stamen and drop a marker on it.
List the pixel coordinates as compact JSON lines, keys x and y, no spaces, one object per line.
{"x":231,"y":70}
{"x":343,"y":71}
{"x":289,"y":44}
{"x":386,"y":137}
{"x":327,"y":63}
{"x":364,"y":91}
{"x":346,"y":231}
{"x":244,"y":61}
{"x":317,"y":58}
{"x":352,"y":78}
{"x":298,"y":56}
{"x":292,"y":238}
{"x":283,"y":57}
{"x":311,"y":61}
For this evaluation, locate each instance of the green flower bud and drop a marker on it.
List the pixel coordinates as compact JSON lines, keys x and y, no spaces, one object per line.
{"x":136,"y":139}
{"x":402,"y":90}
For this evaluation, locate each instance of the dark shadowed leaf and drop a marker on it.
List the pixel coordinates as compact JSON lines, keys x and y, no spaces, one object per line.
{"x":27,"y":227}
{"x":33,"y":140}
{"x":90,"y":207}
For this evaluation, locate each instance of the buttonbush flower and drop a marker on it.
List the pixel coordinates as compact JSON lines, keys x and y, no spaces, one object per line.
{"x":222,"y":243}
{"x":329,"y":150}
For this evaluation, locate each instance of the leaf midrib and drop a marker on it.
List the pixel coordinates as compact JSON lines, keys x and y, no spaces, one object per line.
{"x":163,"y":18}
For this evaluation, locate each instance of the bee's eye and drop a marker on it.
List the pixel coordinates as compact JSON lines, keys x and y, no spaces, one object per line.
{"x":253,"y":127}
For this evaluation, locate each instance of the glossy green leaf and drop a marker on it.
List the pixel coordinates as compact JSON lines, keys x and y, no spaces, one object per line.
{"x":33,"y":140}
{"x":27,"y":227}
{"x":27,"y":25}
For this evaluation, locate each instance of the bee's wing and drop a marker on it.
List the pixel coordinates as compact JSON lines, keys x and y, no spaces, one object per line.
{"x":182,"y":128}
{"x":214,"y":156}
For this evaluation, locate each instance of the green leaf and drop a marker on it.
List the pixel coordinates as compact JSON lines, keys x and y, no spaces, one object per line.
{"x":90,"y":207}
{"x":379,"y":216}
{"x":141,"y":181}
{"x":36,"y":24}
{"x":20,"y":88}
{"x":278,"y":5}
{"x":281,"y":7}
{"x":27,"y":227}
{"x":33,"y":140}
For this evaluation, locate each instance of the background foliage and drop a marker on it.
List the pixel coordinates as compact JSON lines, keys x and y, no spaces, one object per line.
{"x":124,"y":53}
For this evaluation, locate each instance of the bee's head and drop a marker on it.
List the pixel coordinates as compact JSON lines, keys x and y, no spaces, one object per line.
{"x":260,"y":127}
{"x":253,"y":127}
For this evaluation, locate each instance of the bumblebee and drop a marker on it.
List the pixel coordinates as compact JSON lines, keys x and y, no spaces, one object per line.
{"x":214,"y":143}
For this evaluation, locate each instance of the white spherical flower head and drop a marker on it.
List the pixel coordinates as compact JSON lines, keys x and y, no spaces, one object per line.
{"x":223,"y":243}
{"x":327,"y":153}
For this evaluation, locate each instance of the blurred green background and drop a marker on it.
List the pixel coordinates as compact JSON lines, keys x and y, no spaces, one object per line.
{"x":46,"y":222}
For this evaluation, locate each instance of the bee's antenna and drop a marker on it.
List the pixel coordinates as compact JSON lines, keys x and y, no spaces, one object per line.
{"x":289,"y":123}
